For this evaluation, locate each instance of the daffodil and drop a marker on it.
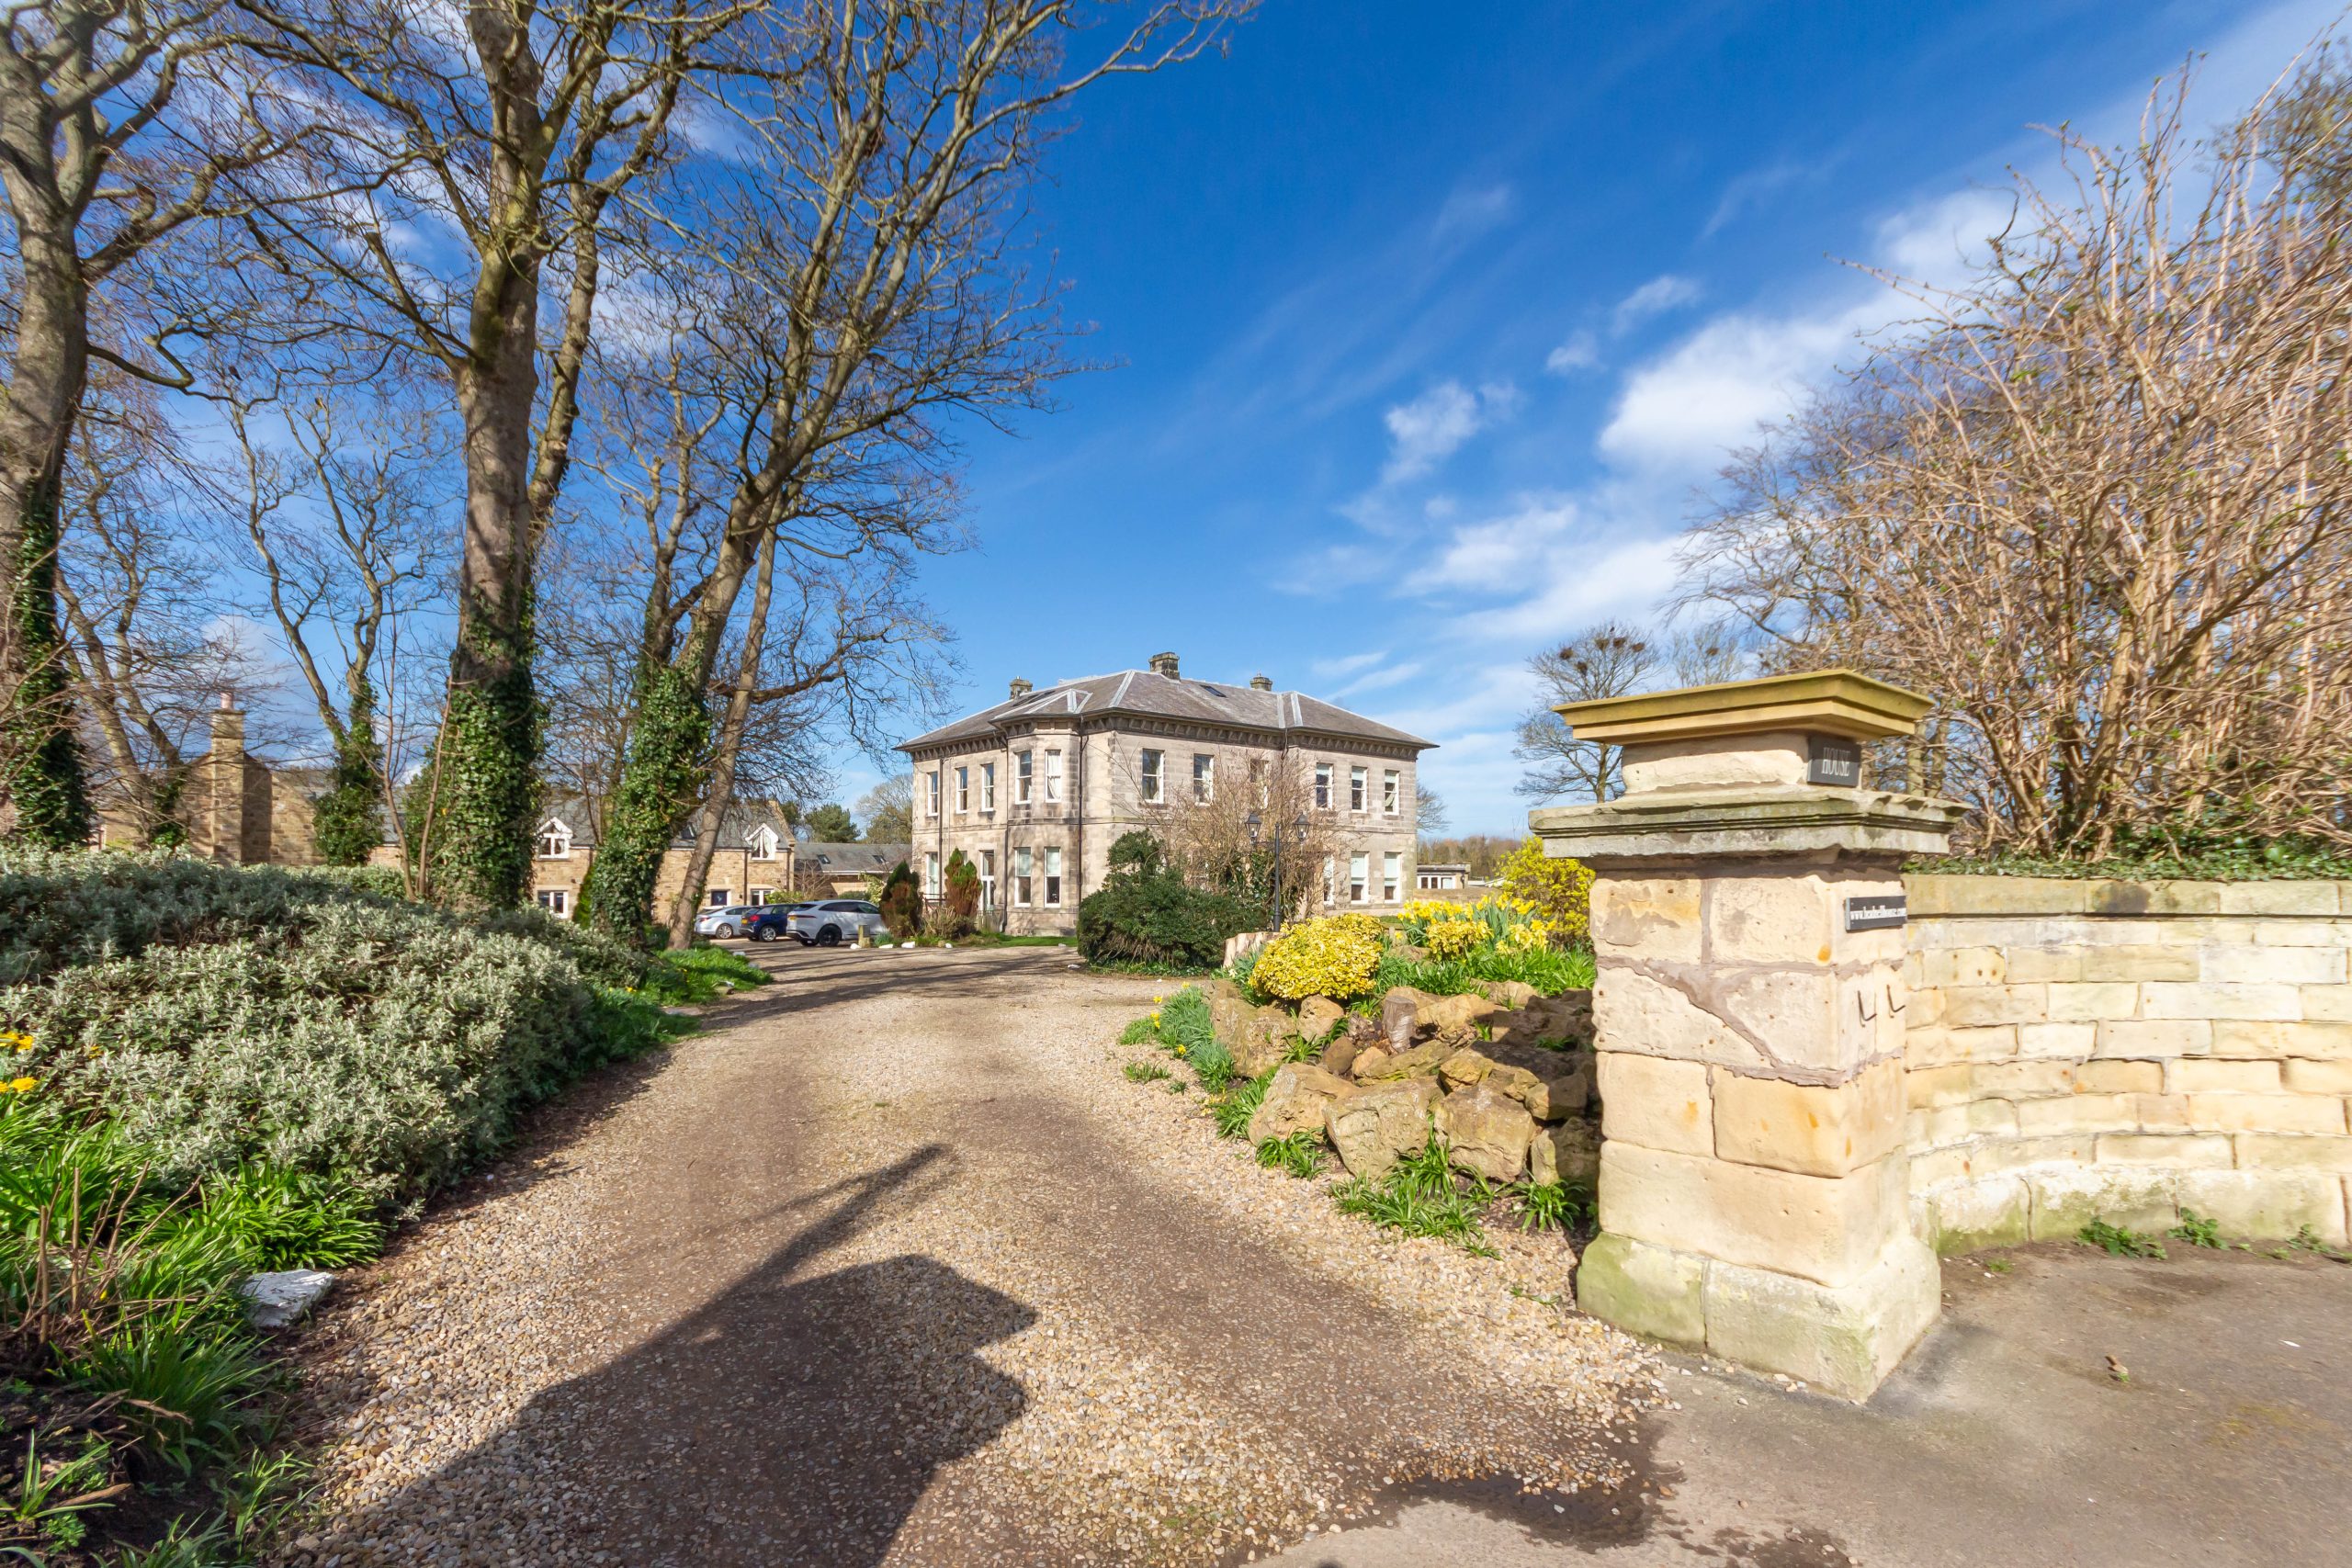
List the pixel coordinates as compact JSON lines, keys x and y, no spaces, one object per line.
{"x":23,"y":1086}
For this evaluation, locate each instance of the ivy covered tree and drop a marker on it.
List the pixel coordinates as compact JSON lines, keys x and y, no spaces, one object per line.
{"x":345,"y":824}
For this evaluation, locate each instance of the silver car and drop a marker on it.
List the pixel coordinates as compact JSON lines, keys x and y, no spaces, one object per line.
{"x":833,"y":921}
{"x":724,"y":920}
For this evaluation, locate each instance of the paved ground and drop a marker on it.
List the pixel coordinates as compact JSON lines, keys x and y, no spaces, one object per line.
{"x":895,"y":1266}
{"x":2005,"y":1439}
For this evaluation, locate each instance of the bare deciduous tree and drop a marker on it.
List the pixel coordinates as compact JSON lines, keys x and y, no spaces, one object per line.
{"x":517,"y":128}
{"x":147,"y":647}
{"x":1607,"y":660}
{"x":2095,"y":502}
{"x":121,"y":125}
{"x":865,"y":281}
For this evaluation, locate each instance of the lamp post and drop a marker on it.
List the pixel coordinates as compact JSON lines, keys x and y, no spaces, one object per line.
{"x":1298,"y":831}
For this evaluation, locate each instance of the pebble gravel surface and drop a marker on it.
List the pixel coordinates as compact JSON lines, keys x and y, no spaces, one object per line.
{"x":893,"y":1264}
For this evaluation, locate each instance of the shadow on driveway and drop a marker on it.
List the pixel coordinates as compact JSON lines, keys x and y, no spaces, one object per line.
{"x":794,"y":1419}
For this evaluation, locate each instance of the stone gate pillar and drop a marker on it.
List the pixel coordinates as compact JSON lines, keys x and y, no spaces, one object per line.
{"x":1747,"y":921}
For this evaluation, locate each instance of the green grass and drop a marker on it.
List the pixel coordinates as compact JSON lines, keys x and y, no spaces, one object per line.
{"x":1555,"y":1205}
{"x":699,"y":974}
{"x":2119,"y":1241}
{"x":1421,"y":1195}
{"x":1142,"y":1031}
{"x":1299,"y":1153}
{"x":1147,"y":1072}
{"x":1239,"y":1101}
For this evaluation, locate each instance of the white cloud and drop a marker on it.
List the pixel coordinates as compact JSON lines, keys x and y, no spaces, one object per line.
{"x":1579,"y":351}
{"x":1659,"y":294}
{"x":1433,"y":427}
{"x":1714,"y":389}
{"x":1473,"y":209}
{"x":1495,"y":557}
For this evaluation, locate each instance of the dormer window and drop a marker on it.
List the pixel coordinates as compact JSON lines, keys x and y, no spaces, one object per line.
{"x":555,"y":839}
{"x":763,"y":843}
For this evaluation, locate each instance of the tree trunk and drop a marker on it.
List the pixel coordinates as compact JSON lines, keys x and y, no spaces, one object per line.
{"x":43,"y":796}
{"x":731,"y":729}
{"x":660,"y":776}
{"x":489,"y":783}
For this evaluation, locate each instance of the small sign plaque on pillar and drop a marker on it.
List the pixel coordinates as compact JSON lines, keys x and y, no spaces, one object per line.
{"x":1878,"y":913}
{"x":1834,"y":760}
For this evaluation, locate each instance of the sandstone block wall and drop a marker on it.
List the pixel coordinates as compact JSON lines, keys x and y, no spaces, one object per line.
{"x":2127,"y":1050}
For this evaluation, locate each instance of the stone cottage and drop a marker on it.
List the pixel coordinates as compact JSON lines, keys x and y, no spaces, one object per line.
{"x":234,"y":806}
{"x":752,"y":865}
{"x":1034,"y":789}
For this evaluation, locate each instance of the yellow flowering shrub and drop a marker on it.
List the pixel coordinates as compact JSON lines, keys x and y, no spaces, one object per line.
{"x":1556,"y":889}
{"x":1456,"y":935}
{"x":1333,"y":956}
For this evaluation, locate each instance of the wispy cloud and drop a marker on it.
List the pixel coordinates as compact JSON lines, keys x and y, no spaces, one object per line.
{"x":1739,"y":372}
{"x":1755,"y":188}
{"x":1381,"y":679}
{"x":1433,"y":427}
{"x":1579,"y":351}
{"x":1333,"y":668}
{"x":1655,"y":298}
{"x":1474,"y":209}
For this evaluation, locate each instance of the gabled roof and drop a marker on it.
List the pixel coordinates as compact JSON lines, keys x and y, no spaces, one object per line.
{"x":736,"y":823}
{"x":854,"y":860}
{"x":1148,"y":693}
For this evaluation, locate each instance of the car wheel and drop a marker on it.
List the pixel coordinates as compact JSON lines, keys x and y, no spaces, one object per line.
{"x":763,"y":934}
{"x":724,"y":932}
{"x":829,"y":937}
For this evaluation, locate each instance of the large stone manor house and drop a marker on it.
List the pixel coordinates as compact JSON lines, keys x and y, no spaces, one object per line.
{"x":1035,"y":789}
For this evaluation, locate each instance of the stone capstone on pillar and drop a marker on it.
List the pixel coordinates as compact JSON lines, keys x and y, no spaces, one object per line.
{"x":1753,"y":1182}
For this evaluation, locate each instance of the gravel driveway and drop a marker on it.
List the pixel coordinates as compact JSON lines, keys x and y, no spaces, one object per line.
{"x":893,"y":1265}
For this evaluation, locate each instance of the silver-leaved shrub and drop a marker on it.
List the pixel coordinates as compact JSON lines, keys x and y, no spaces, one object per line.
{"x":224,"y":1015}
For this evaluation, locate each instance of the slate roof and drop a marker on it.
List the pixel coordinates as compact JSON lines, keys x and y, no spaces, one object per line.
{"x":1144,"y":693}
{"x":736,"y":823}
{"x":852,"y":859}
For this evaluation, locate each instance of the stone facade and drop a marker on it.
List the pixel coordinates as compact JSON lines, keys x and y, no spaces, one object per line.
{"x":2127,"y":1050}
{"x":754,"y":860}
{"x":1088,"y":781}
{"x":234,"y":806}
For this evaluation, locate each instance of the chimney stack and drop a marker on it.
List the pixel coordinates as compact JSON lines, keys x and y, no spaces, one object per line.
{"x":224,"y":794}
{"x":1164,"y":664}
{"x":1261,"y":682}
{"x":1021,"y":688}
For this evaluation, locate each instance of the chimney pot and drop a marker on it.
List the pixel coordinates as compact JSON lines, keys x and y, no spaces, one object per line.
{"x":1261,"y":682}
{"x":228,"y":704}
{"x":1020,"y":687}
{"x":1164,"y":664}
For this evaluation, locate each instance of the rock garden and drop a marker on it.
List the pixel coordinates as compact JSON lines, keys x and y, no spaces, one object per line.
{"x":1440,"y":1060}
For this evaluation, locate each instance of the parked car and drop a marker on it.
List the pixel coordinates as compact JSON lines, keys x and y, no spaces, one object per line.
{"x":834,"y":922}
{"x":767,"y":924}
{"x":724,"y":920}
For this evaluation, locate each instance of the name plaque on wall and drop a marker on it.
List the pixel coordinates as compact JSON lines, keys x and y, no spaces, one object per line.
{"x":1834,"y":760}
{"x":1877,"y":912}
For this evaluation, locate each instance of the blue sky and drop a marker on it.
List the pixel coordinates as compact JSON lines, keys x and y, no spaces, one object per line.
{"x":1425,"y":325}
